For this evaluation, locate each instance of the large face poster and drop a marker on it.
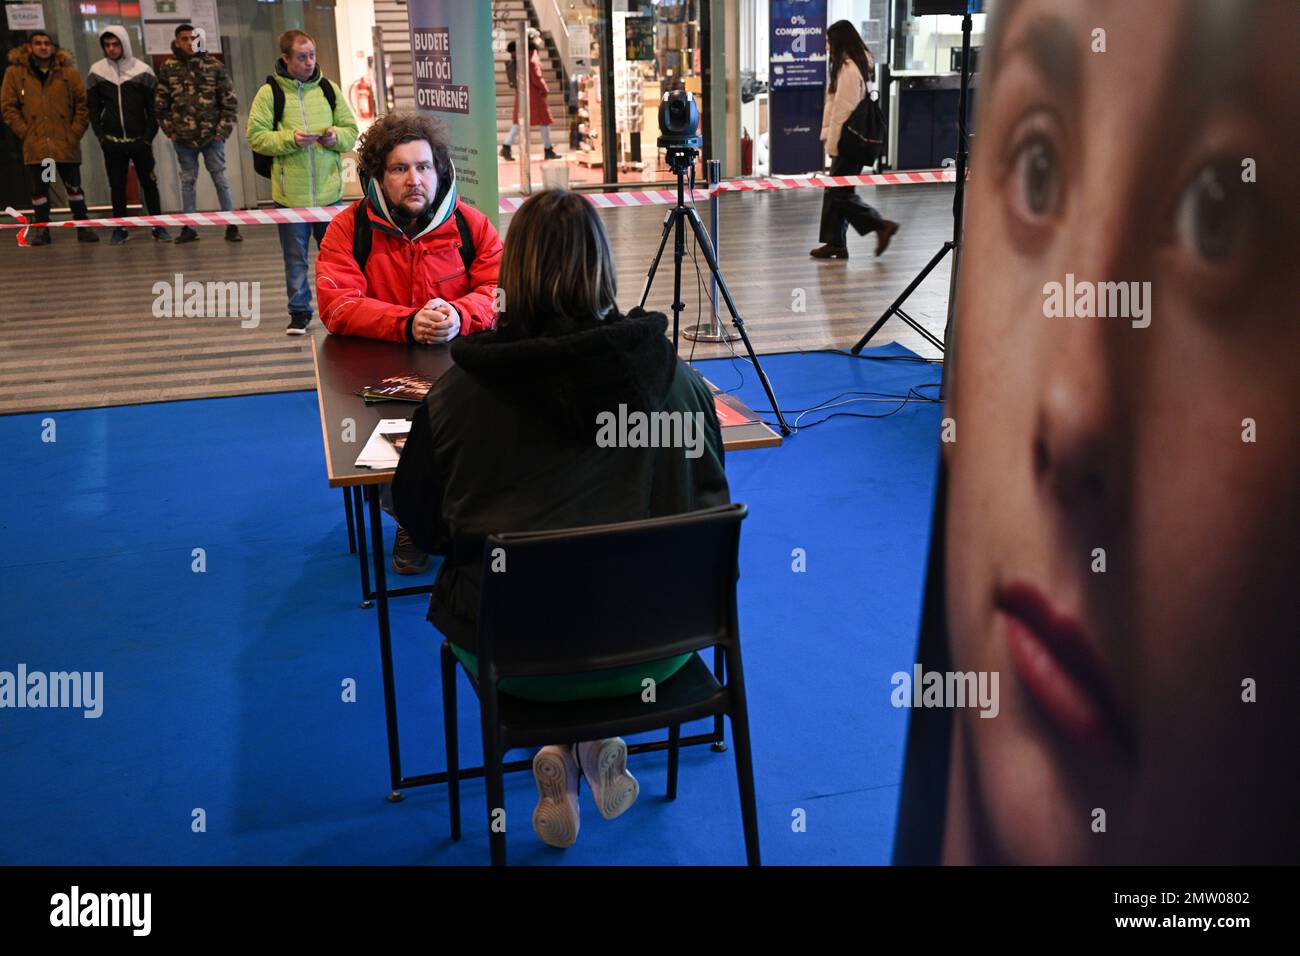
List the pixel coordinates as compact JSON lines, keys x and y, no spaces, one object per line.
{"x":1116,"y":534}
{"x":797,"y":64}
{"x":452,"y":68}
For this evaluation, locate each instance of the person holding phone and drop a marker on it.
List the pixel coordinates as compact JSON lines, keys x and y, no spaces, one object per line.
{"x":307,"y":147}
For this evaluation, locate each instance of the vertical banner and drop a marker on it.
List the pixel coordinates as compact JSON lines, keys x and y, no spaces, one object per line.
{"x":454,"y":75}
{"x":797,"y":69}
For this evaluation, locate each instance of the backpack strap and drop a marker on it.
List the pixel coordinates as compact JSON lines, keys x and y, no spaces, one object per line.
{"x":328,"y":90}
{"x":466,"y":240}
{"x":277,"y":102}
{"x":362,"y":237}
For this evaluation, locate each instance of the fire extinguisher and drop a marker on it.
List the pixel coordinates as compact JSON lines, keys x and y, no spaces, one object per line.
{"x":746,"y":154}
{"x":363,"y":99}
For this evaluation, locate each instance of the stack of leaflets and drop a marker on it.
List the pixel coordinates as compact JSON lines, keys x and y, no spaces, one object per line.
{"x":385,"y":445}
{"x":398,"y":388}
{"x":730,"y":409}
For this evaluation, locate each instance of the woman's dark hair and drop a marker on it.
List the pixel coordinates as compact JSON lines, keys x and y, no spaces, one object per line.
{"x":557,"y":269}
{"x":392,"y":130}
{"x":843,"y":42}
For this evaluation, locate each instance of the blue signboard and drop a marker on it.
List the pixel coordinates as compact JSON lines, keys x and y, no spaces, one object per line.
{"x":797,"y":70}
{"x":797,"y":55}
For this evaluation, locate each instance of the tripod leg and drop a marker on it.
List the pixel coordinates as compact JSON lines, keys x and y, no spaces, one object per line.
{"x":894,"y":306}
{"x":702,"y":237}
{"x":679,"y":254}
{"x":654,"y":266}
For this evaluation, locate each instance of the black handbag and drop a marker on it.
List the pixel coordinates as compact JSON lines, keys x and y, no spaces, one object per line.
{"x":863,"y":135}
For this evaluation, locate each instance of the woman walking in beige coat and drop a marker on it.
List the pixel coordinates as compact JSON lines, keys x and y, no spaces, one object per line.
{"x":849,"y":65}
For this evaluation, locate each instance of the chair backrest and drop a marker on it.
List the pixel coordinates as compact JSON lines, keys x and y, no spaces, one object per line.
{"x":615,"y":595}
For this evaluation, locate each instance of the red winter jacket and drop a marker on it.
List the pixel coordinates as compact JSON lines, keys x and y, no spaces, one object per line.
{"x":402,"y":275}
{"x":539,"y":110}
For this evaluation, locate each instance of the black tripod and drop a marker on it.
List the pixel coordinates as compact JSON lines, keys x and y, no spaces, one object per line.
{"x":954,"y":246}
{"x":681,"y":159}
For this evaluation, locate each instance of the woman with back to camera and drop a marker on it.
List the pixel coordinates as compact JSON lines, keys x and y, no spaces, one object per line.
{"x":849,"y":66}
{"x":506,"y":441}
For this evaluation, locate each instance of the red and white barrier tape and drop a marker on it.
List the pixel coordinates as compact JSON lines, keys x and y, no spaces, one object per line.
{"x":821,"y":182}
{"x":508,"y":204}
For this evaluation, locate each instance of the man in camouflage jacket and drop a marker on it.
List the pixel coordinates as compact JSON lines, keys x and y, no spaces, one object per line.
{"x":196,"y":108}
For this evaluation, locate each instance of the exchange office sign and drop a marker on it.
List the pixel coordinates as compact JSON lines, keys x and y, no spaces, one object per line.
{"x":797,"y":70}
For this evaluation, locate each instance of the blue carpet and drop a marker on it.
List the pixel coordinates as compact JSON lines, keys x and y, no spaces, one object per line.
{"x":222,"y":689}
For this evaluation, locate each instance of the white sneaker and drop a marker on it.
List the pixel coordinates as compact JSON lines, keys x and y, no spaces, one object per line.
{"x":556,"y":816}
{"x":604,"y":764}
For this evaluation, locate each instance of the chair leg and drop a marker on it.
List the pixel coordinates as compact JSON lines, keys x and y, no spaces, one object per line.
{"x":674,"y":748}
{"x":451,"y":737}
{"x":494,"y":777}
{"x":745,"y":778}
{"x":719,"y":728}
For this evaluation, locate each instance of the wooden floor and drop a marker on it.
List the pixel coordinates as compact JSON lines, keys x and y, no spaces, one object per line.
{"x":77,"y":328}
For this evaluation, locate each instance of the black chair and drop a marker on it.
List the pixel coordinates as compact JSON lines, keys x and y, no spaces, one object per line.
{"x":589,"y":599}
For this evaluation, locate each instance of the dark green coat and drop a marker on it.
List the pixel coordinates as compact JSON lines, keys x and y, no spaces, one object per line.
{"x":507,"y":441}
{"x":195,"y":100}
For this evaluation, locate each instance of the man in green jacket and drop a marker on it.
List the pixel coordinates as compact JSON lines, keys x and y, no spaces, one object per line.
{"x":307,"y":147}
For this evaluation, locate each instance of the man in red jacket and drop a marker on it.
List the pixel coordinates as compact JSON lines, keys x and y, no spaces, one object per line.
{"x":409,"y":262}
{"x":431,"y":271}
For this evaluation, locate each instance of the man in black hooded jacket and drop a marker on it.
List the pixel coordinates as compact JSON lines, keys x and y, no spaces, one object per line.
{"x":119,"y":95}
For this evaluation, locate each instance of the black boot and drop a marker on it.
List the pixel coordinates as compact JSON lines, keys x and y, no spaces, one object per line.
{"x":506,"y":154}
{"x":187,"y":235}
{"x":77,"y":203}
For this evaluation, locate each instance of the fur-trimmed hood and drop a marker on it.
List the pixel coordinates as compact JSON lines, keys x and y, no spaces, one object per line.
{"x":625,"y":360}
{"x":19,"y":56}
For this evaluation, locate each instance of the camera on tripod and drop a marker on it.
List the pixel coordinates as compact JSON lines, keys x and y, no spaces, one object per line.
{"x":679,"y":129}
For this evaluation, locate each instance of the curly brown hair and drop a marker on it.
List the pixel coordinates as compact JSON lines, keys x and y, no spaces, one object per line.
{"x":395,"y":128}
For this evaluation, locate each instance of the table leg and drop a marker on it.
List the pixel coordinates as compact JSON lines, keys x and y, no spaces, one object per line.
{"x":362,"y":560}
{"x":385,"y":643}
{"x":347,"y":513}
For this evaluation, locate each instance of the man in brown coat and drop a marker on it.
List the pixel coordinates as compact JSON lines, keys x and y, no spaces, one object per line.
{"x":43,"y":101}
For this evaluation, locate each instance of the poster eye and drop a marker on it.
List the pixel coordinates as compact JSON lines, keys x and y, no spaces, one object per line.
{"x":1035,"y":181}
{"x":1211,"y":216}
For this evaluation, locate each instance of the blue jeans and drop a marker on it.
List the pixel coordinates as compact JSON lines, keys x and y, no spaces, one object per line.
{"x":295,"y":243}
{"x":514,"y":135}
{"x":214,"y":157}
